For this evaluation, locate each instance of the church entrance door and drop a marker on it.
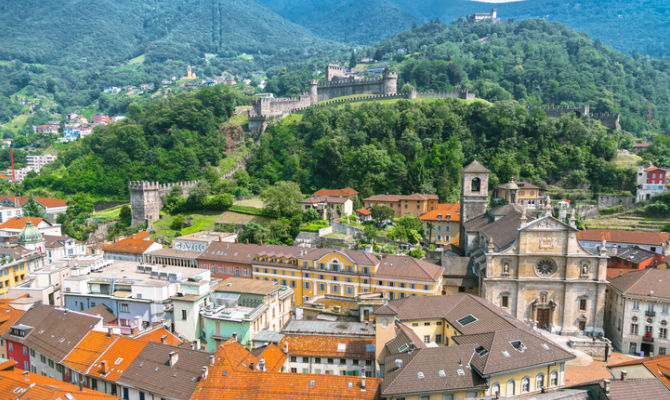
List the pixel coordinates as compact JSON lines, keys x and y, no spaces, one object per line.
{"x":543,"y":320}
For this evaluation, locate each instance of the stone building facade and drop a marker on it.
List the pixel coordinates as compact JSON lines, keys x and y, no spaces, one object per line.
{"x":146,"y":198}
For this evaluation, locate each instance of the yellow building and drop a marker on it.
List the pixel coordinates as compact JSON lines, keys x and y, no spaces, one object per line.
{"x":520,"y":193}
{"x":461,"y":346}
{"x":11,"y":273}
{"x":415,"y":203}
{"x":442,"y":225}
{"x":347,"y":273}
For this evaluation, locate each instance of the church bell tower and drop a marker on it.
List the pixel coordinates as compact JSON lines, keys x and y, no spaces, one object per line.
{"x":474,"y":194}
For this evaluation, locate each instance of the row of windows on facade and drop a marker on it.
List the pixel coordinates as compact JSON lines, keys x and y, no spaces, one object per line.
{"x":390,"y":205}
{"x":648,"y":331}
{"x":330,"y":372}
{"x":226,"y":270}
{"x":331,"y":361}
{"x":651,"y":307}
{"x":333,"y":266}
{"x":510,"y":386}
{"x":6,"y":283}
{"x":632,"y":349}
{"x":401,"y":285}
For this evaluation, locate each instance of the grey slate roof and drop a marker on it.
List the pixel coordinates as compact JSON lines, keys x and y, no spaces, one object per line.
{"x":638,"y":389}
{"x":645,"y":282}
{"x":405,"y":339}
{"x":430,"y":370}
{"x":476,"y":167}
{"x":635,"y":254}
{"x":151,"y":372}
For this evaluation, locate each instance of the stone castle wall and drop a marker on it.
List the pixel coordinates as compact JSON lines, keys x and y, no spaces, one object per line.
{"x":145,"y":198}
{"x":611,"y":121}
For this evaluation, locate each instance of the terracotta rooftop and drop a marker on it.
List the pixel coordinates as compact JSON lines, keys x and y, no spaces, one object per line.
{"x":243,"y":285}
{"x":117,"y":358}
{"x":364,"y":211}
{"x":444,"y":212}
{"x":346,"y":192}
{"x":88,"y":350}
{"x":620,"y":236}
{"x":17,"y":384}
{"x":155,"y":335}
{"x":330,"y":346}
{"x":20,"y":222}
{"x":8,"y":315}
{"x":230,"y":252}
{"x":128,"y":245}
{"x":645,"y":282}
{"x":46,"y":202}
{"x":324,"y":199}
{"x":406,"y":267}
{"x":657,"y":365}
{"x":226,"y":380}
{"x":139,"y":235}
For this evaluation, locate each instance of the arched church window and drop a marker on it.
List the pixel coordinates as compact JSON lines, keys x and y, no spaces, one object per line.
{"x":476,"y":185}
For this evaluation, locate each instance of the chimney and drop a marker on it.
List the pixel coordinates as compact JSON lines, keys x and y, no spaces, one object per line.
{"x":285,"y":347}
{"x":211,"y":359}
{"x":203,"y":374}
{"x":398,"y":363}
{"x":174,"y":357}
{"x":251,"y":366}
{"x":81,"y":383}
{"x":104,"y":367}
{"x":624,"y":373}
{"x":235,"y":336}
{"x":607,"y":383}
{"x":164,"y":339}
{"x":110,"y":331}
{"x":196,"y":344}
{"x":261,"y":364}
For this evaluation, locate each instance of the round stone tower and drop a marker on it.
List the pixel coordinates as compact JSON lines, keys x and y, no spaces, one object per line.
{"x":313,"y":92}
{"x":390,"y":82}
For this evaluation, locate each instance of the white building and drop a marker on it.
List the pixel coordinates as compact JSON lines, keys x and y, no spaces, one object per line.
{"x":199,"y":241}
{"x":7,"y":213}
{"x":637,"y":312}
{"x":651,"y":181}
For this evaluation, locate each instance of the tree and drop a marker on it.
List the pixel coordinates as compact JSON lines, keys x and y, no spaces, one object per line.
{"x":33,"y":209}
{"x":370,"y":233}
{"x":352,"y":59}
{"x":417,"y":252}
{"x":430,"y":231}
{"x":254,"y":233}
{"x":310,"y":215}
{"x":177,"y":223}
{"x":381,"y":213}
{"x":125,"y":214}
{"x":281,"y":199}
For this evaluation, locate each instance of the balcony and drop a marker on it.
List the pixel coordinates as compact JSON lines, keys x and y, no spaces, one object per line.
{"x":647,"y":338}
{"x":650,"y":313}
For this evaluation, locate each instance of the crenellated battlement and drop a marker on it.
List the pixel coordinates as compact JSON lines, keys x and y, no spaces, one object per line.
{"x":610,"y":120}
{"x":146,"y":198}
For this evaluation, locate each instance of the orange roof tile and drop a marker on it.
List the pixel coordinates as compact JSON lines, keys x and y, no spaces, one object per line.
{"x":118,"y":356}
{"x":364,"y":211}
{"x":88,"y":350}
{"x":226,"y":379}
{"x":19,"y":222}
{"x":329,"y":346}
{"x":346,"y":192}
{"x":620,"y":236}
{"x":128,"y":245}
{"x":47,"y":202}
{"x":444,"y":209}
{"x":8,"y":315}
{"x":657,"y":365}
{"x":155,"y":336}
{"x":139,"y":235}
{"x":38,"y":387}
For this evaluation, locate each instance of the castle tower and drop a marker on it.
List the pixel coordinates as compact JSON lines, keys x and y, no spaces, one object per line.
{"x":390,"y":82}
{"x":145,"y":201}
{"x":474,"y":194}
{"x":313,"y":92}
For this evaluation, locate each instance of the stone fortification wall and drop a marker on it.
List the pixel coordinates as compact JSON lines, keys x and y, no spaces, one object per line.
{"x":611,"y":200}
{"x":611,"y":121}
{"x":145,"y":198}
{"x":349,"y":87}
{"x":272,"y":106}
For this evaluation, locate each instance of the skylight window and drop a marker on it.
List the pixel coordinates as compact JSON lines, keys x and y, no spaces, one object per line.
{"x":505,"y":353}
{"x":467,"y":320}
{"x":118,"y":361}
{"x":481,"y":351}
{"x":442,"y":373}
{"x":420,"y":374}
{"x":403,"y":347}
{"x":518,"y":345}
{"x":460,"y":372}
{"x":341,"y":347}
{"x":545,"y":346}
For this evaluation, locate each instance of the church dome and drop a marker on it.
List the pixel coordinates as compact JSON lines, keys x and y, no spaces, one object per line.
{"x":30,"y":233}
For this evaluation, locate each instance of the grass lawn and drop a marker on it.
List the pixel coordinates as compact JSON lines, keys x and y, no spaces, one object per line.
{"x":233,"y":158}
{"x":231,"y":217}
{"x":203,"y":221}
{"x":240,"y":119}
{"x":252,"y":202}
{"x":627,"y":161}
{"x":17,"y":123}
{"x":626,"y":220}
{"x":110,"y":213}
{"x":137,"y":60}
{"x":246,"y":56}
{"x":314,"y":226}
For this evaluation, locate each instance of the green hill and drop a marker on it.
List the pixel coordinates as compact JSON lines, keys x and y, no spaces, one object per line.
{"x":85,"y":32}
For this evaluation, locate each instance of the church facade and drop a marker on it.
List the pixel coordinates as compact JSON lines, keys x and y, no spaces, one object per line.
{"x":532,"y":266}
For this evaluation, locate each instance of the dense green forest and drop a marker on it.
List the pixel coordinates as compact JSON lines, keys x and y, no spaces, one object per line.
{"x":420,"y":146}
{"x":538,"y":63}
{"x":168,"y":140}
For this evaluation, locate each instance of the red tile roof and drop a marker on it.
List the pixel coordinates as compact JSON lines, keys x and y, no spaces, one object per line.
{"x":139,"y":235}
{"x":118,"y":357}
{"x":226,"y":381}
{"x":364,"y":211}
{"x":88,"y":350}
{"x":657,"y":365}
{"x":329,"y":346}
{"x":620,"y":236}
{"x":46,"y":202}
{"x":20,"y":222}
{"x":38,"y":387}
{"x":451,"y":209}
{"x":129,"y":245}
{"x":346,"y":192}
{"x":8,"y":315}
{"x":155,"y":336}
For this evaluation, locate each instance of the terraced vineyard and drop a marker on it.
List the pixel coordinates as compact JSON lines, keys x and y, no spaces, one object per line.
{"x":626,"y":220}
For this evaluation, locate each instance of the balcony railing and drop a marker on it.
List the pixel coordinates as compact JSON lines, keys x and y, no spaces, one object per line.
{"x":650,"y":313}
{"x":647,"y":338}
